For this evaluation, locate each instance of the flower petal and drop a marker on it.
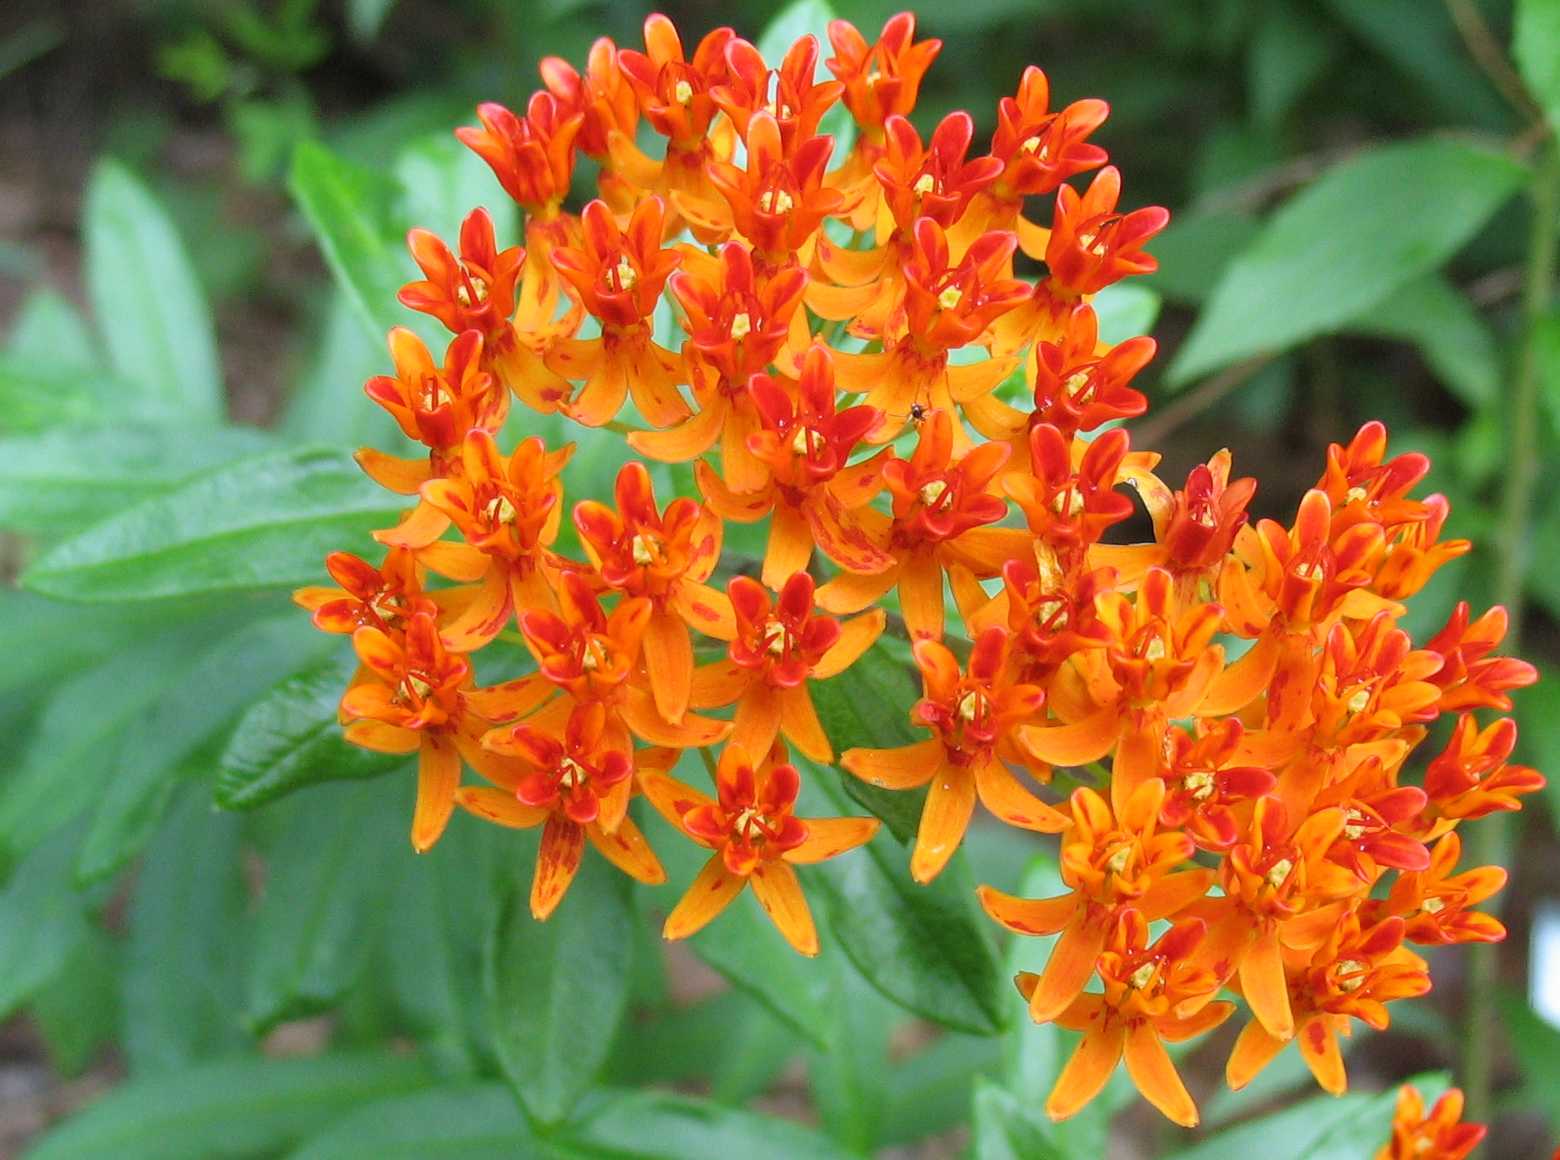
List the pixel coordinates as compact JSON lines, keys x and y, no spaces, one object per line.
{"x":799,"y":722}
{"x":857,"y":635}
{"x":1253,"y":1051}
{"x":669,"y":661}
{"x":944,"y":818}
{"x":905,"y":767}
{"x":1006,"y":798}
{"x":1072,"y":745}
{"x":709,"y":894}
{"x":1149,"y":1065}
{"x":780,"y":894}
{"x":499,"y":806}
{"x":757,"y":720}
{"x":558,"y":860}
{"x":1068,"y":970}
{"x":1087,"y":1071}
{"x":830,"y":837}
{"x":1263,"y":983}
{"x":627,"y":849}
{"x":1030,"y":916}
{"x":438,"y":774}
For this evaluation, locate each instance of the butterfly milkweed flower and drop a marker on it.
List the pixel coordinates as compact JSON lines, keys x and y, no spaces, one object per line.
{"x":756,"y":838}
{"x":1439,"y":1132}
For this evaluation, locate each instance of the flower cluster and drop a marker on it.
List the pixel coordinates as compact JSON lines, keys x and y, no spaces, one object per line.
{"x":1439,"y":1133}
{"x":845,"y":351}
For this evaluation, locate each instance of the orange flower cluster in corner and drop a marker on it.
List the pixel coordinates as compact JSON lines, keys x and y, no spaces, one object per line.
{"x":1440,"y":1133}
{"x":841,"y":339}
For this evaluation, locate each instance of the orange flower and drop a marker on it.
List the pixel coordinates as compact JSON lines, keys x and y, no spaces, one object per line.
{"x":941,"y":508}
{"x":1470,"y":778}
{"x":1199,"y":524}
{"x":437,"y":406}
{"x":779,"y":646}
{"x":618,"y":276}
{"x":576,"y":787}
{"x":798,"y":101}
{"x":380,"y":597}
{"x":1040,"y":149}
{"x":1203,"y":784}
{"x":1068,"y":501}
{"x":1440,"y":1134}
{"x":1353,"y":974}
{"x":970,"y":716}
{"x":410,"y":697}
{"x":756,"y":838}
{"x":737,"y":323}
{"x":1434,"y":903}
{"x":602,"y":98}
{"x":1469,"y":678}
{"x":1111,"y":863}
{"x":1145,"y":989}
{"x":639,"y":551}
{"x":778,"y":201}
{"x":532,"y":156}
{"x":881,"y":79}
{"x":812,"y":497}
{"x":508,"y":509}
{"x":1091,"y":245}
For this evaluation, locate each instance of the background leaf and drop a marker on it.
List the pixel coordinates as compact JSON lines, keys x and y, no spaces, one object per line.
{"x":1535,"y":43}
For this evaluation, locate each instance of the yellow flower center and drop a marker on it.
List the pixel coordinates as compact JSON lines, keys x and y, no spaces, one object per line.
{"x":1433,"y":905}
{"x":802,"y":441}
{"x":1079,"y":384}
{"x":627,"y":278}
{"x":1305,"y":571}
{"x":1117,"y":862}
{"x":1067,"y":503}
{"x":1278,"y":873}
{"x":749,"y":823}
{"x":643,"y":548}
{"x":1155,"y":650}
{"x":950,"y":298}
{"x":1354,"y":828}
{"x":682,"y":92}
{"x":1351,"y":975}
{"x":776,"y":201}
{"x":924,"y":184}
{"x":741,"y":326}
{"x":416,"y":686}
{"x":775,"y":638}
{"x":969,"y":705}
{"x":933,"y":491}
{"x":1359,"y":700}
{"x":433,"y":393}
{"x":1143,"y":976}
{"x":570,"y":773}
{"x":1199,"y":785}
{"x":1355,"y":494}
{"x":500,"y":511}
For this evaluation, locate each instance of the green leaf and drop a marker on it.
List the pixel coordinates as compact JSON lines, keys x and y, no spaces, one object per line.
{"x":557,"y":990}
{"x":248,"y":1107}
{"x":1125,"y":311}
{"x":324,"y":899}
{"x":328,"y":405}
{"x":1456,"y":343}
{"x":868,"y":705}
{"x":850,"y":1080}
{"x":1290,"y":51}
{"x":928,"y":948}
{"x":147,"y":300}
{"x":265,"y":522}
{"x":658,"y":1126}
{"x":68,"y":478}
{"x":351,"y":211}
{"x":1537,"y":1046}
{"x":1535,"y":43}
{"x":366,"y":17}
{"x":72,"y":756}
{"x":35,"y":396}
{"x":1195,"y":250}
{"x":443,"y":182}
{"x":1344,"y":244}
{"x":41,"y":920}
{"x":1006,"y":1128}
{"x":77,"y":1011}
{"x":49,"y":328}
{"x":49,"y":640}
{"x":797,"y":19}
{"x":471,"y":1122}
{"x":291,"y":738}
{"x":180,"y":737}
{"x":929,"y":1093}
{"x":186,"y":945}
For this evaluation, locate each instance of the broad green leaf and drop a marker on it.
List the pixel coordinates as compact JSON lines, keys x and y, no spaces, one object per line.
{"x":797,"y":19}
{"x":742,"y":943}
{"x":928,"y":948}
{"x":67,"y":479}
{"x":1289,"y":1134}
{"x":557,"y":990}
{"x":1290,"y":51}
{"x":471,"y":1122}
{"x":49,"y":329}
{"x":1006,"y":1128}
{"x":41,"y":920}
{"x":291,"y":738}
{"x":929,"y":1093}
{"x":265,"y":522}
{"x":1537,"y":1046}
{"x":660,"y":1126}
{"x":48,"y":639}
{"x":73,"y":754}
{"x":77,"y":1011}
{"x":443,"y":182}
{"x":850,"y":1080}
{"x":1535,"y":43}
{"x":146,"y":298}
{"x":352,"y":213}
{"x":36,"y":395}
{"x":1344,"y":244}
{"x":246,"y":1107}
{"x":1125,"y":311}
{"x":328,"y":405}
{"x":1195,"y":250}
{"x":868,"y":705}
{"x":324,"y":898}
{"x":1456,"y":343}
{"x":186,"y":945}
{"x":180,"y":736}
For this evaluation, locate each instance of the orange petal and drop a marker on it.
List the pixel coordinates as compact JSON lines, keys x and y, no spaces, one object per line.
{"x":829,"y":837}
{"x":921,"y":597}
{"x":382,"y":738}
{"x":789,"y":548}
{"x":944,"y":818}
{"x":708,"y":896}
{"x":857,"y":635}
{"x":563,"y":845}
{"x":438,"y":773}
{"x":1253,"y":1051}
{"x":402,"y":476}
{"x":717,"y":683}
{"x":484,"y":618}
{"x":1006,"y":798}
{"x":1174,"y":1029}
{"x":670,"y":797}
{"x":757,"y":720}
{"x":694,"y":732}
{"x":1173,"y":893}
{"x":627,"y":849}
{"x":799,"y":722}
{"x":1068,"y":970}
{"x":422,"y":527}
{"x":1242,"y":682}
{"x":1087,"y":1070}
{"x":455,"y":560}
{"x":1030,"y":916}
{"x":1148,"y":1063}
{"x":1072,"y":745}
{"x":1319,"y":1049}
{"x":853,"y":591}
{"x":1266,"y":988}
{"x":511,"y":700}
{"x":688,"y":440}
{"x":706,"y":609}
{"x":669,"y":661}
{"x":906,"y":767}
{"x":780,"y":894}
{"x":499,"y":806}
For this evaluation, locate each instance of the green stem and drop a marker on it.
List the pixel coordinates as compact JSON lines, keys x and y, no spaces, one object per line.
{"x":1487,"y":841}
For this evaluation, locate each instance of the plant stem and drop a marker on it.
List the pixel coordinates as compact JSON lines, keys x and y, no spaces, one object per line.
{"x":1486,"y":841}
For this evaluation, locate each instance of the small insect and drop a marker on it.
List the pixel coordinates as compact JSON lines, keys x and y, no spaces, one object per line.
{"x":917,"y":412}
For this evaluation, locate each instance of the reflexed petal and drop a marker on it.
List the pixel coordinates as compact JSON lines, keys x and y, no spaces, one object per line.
{"x":688,"y":440}
{"x":382,"y":738}
{"x":1319,"y":1049}
{"x":1072,"y":745}
{"x":904,"y":767}
{"x":1031,"y":916}
{"x":671,"y":798}
{"x":422,"y":527}
{"x":402,"y":476}
{"x":706,"y":609}
{"x":1087,"y":1071}
{"x":1005,"y":796}
{"x":454,"y":560}
{"x":627,"y":849}
{"x":757,"y":719}
{"x":830,"y":837}
{"x":1254,"y":1050}
{"x":693,"y":732}
{"x":921,"y":597}
{"x":558,"y":860}
{"x":1263,"y":983}
{"x":789,"y":548}
{"x":484,"y":618}
{"x":500,"y":806}
{"x":438,"y":773}
{"x":718,"y":683}
{"x":1149,"y":1065}
{"x":1068,"y":970}
{"x":781,"y":896}
{"x":857,"y":635}
{"x":711,"y":891}
{"x":669,"y":661}
{"x":799,"y":722}
{"x":944,"y":818}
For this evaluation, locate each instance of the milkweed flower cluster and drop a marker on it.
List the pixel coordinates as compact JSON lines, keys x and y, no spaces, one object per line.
{"x":865,"y":372}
